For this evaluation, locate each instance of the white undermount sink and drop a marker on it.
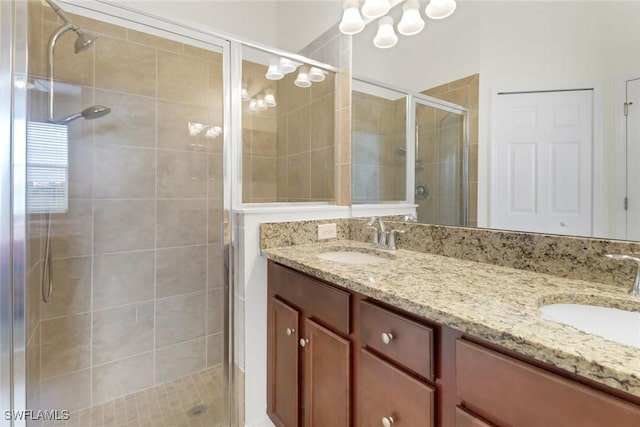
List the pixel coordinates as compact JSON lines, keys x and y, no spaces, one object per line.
{"x":611,"y":323}
{"x":353,"y":257}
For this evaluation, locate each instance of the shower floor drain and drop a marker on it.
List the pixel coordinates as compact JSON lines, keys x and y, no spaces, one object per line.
{"x":197,"y":410}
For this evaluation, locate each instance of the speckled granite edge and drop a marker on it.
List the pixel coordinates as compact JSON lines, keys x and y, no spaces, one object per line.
{"x":564,"y":256}
{"x":506,"y":314}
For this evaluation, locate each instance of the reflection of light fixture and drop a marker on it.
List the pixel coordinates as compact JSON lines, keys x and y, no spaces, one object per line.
{"x":303,"y":77}
{"x":375,"y":8}
{"x":269,"y":98}
{"x":316,"y":75}
{"x":274,"y":72}
{"x":385,"y":37}
{"x":287,"y":66}
{"x":245,"y":92}
{"x":213,"y":132}
{"x":260,"y":105}
{"x":253,"y":105}
{"x":352,"y":22}
{"x":411,"y":22}
{"x":440,"y":9}
{"x":195,"y":128}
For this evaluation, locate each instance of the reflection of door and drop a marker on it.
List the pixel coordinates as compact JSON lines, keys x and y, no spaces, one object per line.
{"x":632,"y":112}
{"x":542,"y":176}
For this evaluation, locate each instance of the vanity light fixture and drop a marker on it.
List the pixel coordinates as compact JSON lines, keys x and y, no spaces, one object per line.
{"x":303,"y":79}
{"x":287,"y":66}
{"x":245,"y":92}
{"x":440,"y":9}
{"x":260,"y":104}
{"x":195,"y":128}
{"x":269,"y":98}
{"x":385,"y":37}
{"x":316,"y":75}
{"x":352,"y":22}
{"x":213,"y":132}
{"x":253,"y":105}
{"x":410,"y":24}
{"x":274,"y":72}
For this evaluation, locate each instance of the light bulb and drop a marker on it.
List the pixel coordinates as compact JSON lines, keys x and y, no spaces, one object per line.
{"x":303,"y":77}
{"x":385,"y":37}
{"x":316,"y":75}
{"x":440,"y":9}
{"x":274,"y":72}
{"x":375,"y":8}
{"x":269,"y":98}
{"x":253,"y":105}
{"x":352,"y":22}
{"x":411,"y":22}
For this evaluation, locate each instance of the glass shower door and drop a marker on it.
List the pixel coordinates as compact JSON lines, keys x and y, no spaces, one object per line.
{"x":441,"y":171}
{"x":126,"y":234}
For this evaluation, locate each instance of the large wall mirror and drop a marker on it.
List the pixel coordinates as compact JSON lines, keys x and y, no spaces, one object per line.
{"x":551,"y":91}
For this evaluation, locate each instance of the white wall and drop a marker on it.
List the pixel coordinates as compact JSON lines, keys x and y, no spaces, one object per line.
{"x":302,"y":21}
{"x":518,"y":46}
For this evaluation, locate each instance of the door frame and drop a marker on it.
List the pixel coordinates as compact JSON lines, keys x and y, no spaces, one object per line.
{"x":598,"y":189}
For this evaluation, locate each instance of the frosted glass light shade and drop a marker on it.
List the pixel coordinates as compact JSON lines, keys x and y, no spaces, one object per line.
{"x":375,"y":8}
{"x":260,"y":104}
{"x":269,"y":98}
{"x":352,"y":22}
{"x":253,"y":105}
{"x":385,"y":37}
{"x":440,"y":9}
{"x":245,"y":92}
{"x":316,"y":75}
{"x":287,"y":66}
{"x":303,"y":79}
{"x":411,"y":22}
{"x":274,"y":72}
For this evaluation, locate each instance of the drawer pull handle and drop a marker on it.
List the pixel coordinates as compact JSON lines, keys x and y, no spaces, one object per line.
{"x":290,"y":331}
{"x":387,"y":421}
{"x":386,"y":337}
{"x":304,"y":342}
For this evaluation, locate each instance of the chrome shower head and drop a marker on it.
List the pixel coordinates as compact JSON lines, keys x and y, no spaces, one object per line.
{"x":90,"y":113}
{"x":83,"y":41}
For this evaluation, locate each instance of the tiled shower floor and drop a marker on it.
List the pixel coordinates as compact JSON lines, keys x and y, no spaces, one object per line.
{"x":165,"y":405}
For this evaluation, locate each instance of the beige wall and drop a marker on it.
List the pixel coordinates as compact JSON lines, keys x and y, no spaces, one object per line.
{"x":463,"y":92}
{"x":137,"y":297}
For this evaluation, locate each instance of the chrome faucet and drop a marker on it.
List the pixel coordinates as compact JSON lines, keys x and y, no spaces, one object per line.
{"x":381,"y":237}
{"x":635,"y":290}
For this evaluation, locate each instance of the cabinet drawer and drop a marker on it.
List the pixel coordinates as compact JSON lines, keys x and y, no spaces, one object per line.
{"x":385,"y":391}
{"x":465,"y":419}
{"x":520,"y":394}
{"x":323,"y":302}
{"x":411,"y":343}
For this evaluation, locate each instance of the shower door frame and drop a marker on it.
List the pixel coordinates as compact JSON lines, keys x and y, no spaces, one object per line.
{"x":427,"y":101}
{"x":13,"y":112}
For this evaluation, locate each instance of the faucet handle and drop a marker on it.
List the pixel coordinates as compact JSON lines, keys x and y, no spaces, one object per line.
{"x":623,"y":257}
{"x":374,"y":238}
{"x":392,"y":238}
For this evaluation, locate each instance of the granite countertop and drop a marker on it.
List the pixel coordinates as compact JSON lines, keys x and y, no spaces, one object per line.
{"x":498,"y":304}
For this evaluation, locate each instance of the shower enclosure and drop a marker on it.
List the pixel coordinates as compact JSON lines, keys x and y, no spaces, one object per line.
{"x":410,"y":147}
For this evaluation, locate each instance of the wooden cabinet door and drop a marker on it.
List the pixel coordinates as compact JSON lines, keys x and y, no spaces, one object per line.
{"x":283,"y":398}
{"x":326,"y":380}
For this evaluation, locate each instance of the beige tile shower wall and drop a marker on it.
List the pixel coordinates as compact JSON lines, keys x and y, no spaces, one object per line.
{"x":378,"y":131}
{"x":334,"y":48}
{"x":258,"y":139}
{"x":465,"y":92}
{"x":137,"y":258}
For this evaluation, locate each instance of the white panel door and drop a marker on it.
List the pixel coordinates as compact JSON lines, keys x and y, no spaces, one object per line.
{"x":633,"y":159}
{"x":542,"y":162}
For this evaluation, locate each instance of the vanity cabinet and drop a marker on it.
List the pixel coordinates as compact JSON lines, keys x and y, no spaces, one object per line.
{"x":337,"y":358}
{"x":308,"y":351}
